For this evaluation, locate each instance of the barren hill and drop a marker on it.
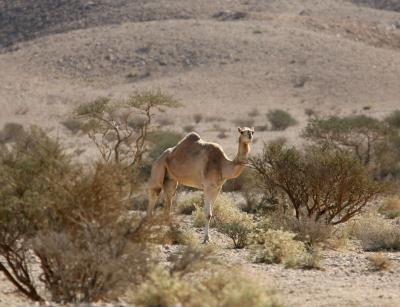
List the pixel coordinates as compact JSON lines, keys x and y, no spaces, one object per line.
{"x":222,"y":58}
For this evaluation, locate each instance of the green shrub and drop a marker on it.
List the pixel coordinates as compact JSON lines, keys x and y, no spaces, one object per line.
{"x":11,"y":132}
{"x":374,"y":143}
{"x":161,"y":140}
{"x":73,"y":125}
{"x":280,"y":120}
{"x":376,"y":233}
{"x":237,"y":227}
{"x":394,"y":119}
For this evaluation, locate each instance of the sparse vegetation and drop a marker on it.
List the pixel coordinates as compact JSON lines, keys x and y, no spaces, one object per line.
{"x":165,"y":121}
{"x":72,"y":220}
{"x":394,"y":119}
{"x":372,"y":142}
{"x":188,"y":128}
{"x":326,"y":184}
{"x":379,"y":262}
{"x":188,"y":203}
{"x":223,"y":288}
{"x":11,"y":132}
{"x":197,"y":117}
{"x":112,"y":131}
{"x":73,"y":125}
{"x":278,"y":246}
{"x":254,"y":112}
{"x":161,"y":140}
{"x":376,"y":233}
{"x":228,"y":219}
{"x":280,"y":120}
{"x":244,"y":122}
{"x":390,"y":207}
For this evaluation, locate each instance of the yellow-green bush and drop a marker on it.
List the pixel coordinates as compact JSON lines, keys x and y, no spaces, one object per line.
{"x":188,"y":203}
{"x":391,"y":207}
{"x":228,"y":219}
{"x":225,"y":288}
{"x":222,"y":209}
{"x":376,"y":233}
{"x":278,"y":246}
{"x":237,"y":227}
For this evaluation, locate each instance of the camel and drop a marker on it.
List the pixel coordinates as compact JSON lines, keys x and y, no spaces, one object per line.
{"x":196,"y":163}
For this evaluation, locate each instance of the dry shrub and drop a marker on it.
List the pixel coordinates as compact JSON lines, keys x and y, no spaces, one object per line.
{"x":379,"y":262}
{"x":224,"y":288}
{"x":376,"y":233}
{"x":280,"y":120}
{"x":228,"y":219}
{"x":391,"y":207}
{"x":74,"y":221}
{"x":278,"y":246}
{"x":188,"y":203}
{"x":307,"y":229}
{"x":197,"y":117}
{"x":319,"y":182}
{"x":176,"y":236}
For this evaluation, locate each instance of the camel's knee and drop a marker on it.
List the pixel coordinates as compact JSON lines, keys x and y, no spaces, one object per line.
{"x":169,"y":187}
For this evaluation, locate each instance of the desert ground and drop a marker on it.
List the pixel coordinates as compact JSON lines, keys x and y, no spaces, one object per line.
{"x":229,"y":62}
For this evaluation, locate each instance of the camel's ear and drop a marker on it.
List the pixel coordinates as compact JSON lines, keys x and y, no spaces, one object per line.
{"x":252,"y":129}
{"x":240,"y":130}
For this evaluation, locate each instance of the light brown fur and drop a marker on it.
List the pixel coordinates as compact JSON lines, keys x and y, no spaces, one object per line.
{"x":198,"y":164}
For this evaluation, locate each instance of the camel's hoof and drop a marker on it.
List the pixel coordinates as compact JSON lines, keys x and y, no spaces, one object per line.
{"x":206,"y":240}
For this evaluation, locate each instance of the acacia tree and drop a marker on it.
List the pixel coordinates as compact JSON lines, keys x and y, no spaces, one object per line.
{"x":119,"y":129}
{"x":320,"y":182}
{"x":374,"y":143}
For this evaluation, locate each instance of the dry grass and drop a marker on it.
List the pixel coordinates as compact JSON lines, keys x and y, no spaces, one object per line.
{"x":376,"y":233}
{"x":390,"y":207}
{"x":188,"y":203}
{"x":379,"y":262}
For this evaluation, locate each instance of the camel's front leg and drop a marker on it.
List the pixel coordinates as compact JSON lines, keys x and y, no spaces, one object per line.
{"x":210,"y":195}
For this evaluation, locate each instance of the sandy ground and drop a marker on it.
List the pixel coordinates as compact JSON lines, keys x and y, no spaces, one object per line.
{"x":229,"y":61}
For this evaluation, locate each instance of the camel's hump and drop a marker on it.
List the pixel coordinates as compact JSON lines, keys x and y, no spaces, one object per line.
{"x":192,"y":137}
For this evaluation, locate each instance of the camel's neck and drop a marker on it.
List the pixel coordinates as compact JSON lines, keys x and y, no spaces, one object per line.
{"x":235,"y":167}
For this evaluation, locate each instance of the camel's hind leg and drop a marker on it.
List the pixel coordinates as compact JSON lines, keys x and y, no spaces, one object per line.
{"x":169,"y":188}
{"x":155,"y":184}
{"x":210,"y":195}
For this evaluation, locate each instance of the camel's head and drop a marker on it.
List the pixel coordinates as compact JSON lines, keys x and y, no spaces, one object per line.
{"x":246,"y":134}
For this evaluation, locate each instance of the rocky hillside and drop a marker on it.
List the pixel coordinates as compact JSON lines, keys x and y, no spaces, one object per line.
{"x":222,"y":58}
